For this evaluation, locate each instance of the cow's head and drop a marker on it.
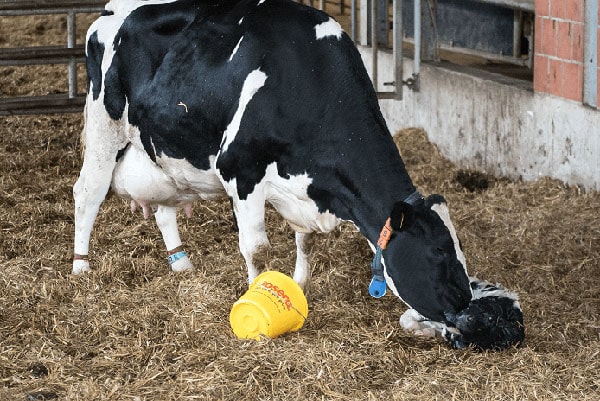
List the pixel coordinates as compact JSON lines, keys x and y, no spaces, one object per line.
{"x":493,"y":322}
{"x":424,"y":264}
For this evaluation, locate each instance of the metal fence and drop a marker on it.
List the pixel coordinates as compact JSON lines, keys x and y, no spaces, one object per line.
{"x":386,"y":15}
{"x":69,"y":54}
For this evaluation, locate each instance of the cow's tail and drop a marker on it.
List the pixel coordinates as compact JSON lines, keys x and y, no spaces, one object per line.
{"x":82,"y":135}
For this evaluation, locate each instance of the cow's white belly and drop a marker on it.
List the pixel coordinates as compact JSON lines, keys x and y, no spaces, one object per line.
{"x":174,"y":183}
{"x":290,"y":198}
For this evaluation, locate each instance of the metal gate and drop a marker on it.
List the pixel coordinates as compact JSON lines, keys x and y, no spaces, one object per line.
{"x":70,"y":54}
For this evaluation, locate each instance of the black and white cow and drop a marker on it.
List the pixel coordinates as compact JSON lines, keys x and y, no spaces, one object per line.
{"x":264,"y":101}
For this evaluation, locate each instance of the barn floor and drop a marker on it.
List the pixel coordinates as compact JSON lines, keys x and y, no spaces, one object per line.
{"x":133,"y":330}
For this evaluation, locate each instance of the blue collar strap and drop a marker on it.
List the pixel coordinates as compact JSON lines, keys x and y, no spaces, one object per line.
{"x":413,"y":198}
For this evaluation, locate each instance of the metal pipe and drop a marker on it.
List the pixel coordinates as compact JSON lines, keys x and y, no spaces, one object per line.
{"x":42,"y":11}
{"x":353,"y":14}
{"x":364,"y":23}
{"x":517,"y":31}
{"x":590,"y":54}
{"x":71,"y":39}
{"x":397,"y":47}
{"x":374,"y":43}
{"x":417,"y":35}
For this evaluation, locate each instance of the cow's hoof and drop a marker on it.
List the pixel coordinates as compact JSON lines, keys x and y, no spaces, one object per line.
{"x":182,"y":264}
{"x":409,"y":320}
{"x":425,"y":332}
{"x":81,"y":266}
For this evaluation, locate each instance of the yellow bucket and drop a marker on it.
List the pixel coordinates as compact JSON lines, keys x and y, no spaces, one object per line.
{"x":273,"y":305}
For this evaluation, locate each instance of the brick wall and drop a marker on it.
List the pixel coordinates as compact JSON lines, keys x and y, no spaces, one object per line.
{"x":558,"y":59}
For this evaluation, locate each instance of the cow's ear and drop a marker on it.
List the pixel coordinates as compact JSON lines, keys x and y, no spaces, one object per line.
{"x":434,"y":200}
{"x":402,"y":215}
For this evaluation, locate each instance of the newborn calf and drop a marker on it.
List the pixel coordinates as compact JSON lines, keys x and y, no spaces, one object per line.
{"x":493,"y":320}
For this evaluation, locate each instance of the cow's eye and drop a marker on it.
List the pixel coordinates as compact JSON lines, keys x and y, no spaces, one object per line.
{"x":470,"y":318}
{"x":441,"y":251}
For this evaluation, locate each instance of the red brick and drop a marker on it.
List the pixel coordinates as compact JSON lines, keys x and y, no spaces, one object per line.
{"x":573,"y":81}
{"x":557,"y":8}
{"x":574,"y":10}
{"x":598,"y":38}
{"x":542,"y":8}
{"x":540,"y":73}
{"x":548,"y":37}
{"x":563,"y":49}
{"x":555,"y":77}
{"x":538,"y":34}
{"x":598,"y":94}
{"x":577,"y":42}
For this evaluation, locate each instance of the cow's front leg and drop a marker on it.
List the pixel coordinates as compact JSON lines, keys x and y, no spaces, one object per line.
{"x":415,"y":323}
{"x":250,"y":214}
{"x":304,"y":243}
{"x":89,"y":191}
{"x":166,"y":219}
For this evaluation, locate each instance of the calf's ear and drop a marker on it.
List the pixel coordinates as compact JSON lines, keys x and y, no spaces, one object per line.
{"x":434,"y":199}
{"x":402,"y":215}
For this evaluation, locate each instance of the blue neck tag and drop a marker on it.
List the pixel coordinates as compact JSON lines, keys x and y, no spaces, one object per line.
{"x":377,"y":288}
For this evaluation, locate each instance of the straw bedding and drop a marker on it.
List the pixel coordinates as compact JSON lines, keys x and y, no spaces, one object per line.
{"x":132,"y":330}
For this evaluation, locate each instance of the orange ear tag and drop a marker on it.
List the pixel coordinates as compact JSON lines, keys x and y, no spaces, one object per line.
{"x":385,"y":235}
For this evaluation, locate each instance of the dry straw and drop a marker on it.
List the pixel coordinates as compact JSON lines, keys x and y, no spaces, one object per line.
{"x":132,"y":330}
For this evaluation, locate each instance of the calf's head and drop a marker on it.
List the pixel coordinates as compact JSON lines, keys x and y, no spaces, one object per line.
{"x":424,"y":264}
{"x":492,"y":322}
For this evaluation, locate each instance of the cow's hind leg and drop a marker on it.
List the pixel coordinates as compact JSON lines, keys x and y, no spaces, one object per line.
{"x":304,"y":243}
{"x":102,"y":141}
{"x":250,"y":215}
{"x":89,"y":191}
{"x":166,"y":219}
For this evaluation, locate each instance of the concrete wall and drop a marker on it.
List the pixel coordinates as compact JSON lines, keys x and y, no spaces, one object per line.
{"x":495,"y":124}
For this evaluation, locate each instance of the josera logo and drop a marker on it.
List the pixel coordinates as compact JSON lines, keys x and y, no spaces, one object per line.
{"x":279,"y":292}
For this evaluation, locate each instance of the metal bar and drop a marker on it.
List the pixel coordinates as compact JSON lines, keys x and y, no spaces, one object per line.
{"x":17,"y":13}
{"x":480,"y":53}
{"x":382,"y":23}
{"x":523,"y":5}
{"x":5,"y":9}
{"x":520,"y":61}
{"x":353,"y":15}
{"x":397,"y":48}
{"x":374,"y":46}
{"x":417,"y":36}
{"x":517,"y":30}
{"x":23,"y":7}
{"x":41,"y":105}
{"x":531,"y":40}
{"x":590,"y":54}
{"x":28,"y":4}
{"x":40,"y":55}
{"x":364,"y":22}
{"x":71,"y":39}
